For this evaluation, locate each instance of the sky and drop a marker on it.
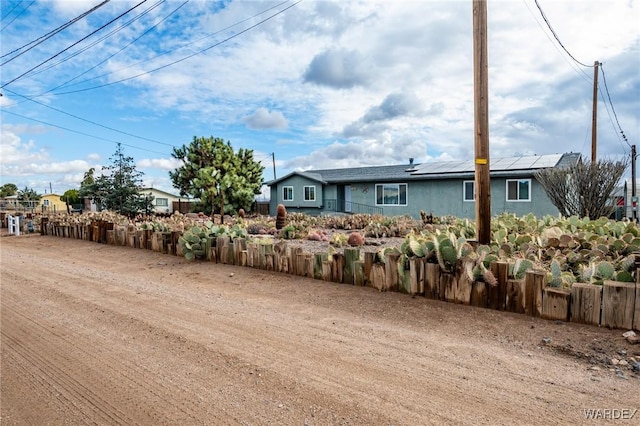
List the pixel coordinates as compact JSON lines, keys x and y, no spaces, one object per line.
{"x":309,"y":84}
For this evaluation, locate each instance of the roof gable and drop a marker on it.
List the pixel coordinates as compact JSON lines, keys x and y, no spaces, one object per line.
{"x":313,"y":175}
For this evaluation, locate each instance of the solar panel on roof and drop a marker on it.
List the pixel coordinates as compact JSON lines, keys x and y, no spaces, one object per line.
{"x":547,"y":160}
{"x":499,"y":164}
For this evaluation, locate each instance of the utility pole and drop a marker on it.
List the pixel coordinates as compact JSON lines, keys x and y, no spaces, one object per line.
{"x":634,"y":200}
{"x":481,"y":122}
{"x":273,"y":157}
{"x":594,"y":118}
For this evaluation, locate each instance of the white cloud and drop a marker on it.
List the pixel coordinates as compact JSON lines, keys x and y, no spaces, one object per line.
{"x":159,"y":163}
{"x":265,"y":119}
{"x":344,"y":83}
{"x":13,"y":151}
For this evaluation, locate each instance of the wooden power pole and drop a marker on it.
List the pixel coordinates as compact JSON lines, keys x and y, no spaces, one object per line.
{"x":481,"y":122}
{"x":594,"y":118}
{"x":634,"y":199}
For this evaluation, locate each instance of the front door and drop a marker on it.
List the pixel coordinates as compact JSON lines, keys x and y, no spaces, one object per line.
{"x":347,"y":198}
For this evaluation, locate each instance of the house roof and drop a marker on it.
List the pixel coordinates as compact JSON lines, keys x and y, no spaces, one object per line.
{"x":505,"y":166}
{"x":160,"y":191}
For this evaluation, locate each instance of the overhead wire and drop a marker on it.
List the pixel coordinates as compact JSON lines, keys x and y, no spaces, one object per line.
{"x":182,"y":59}
{"x":101,"y":39}
{"x":118,"y":131}
{"x":619,"y":130}
{"x":558,"y":38}
{"x":121,"y":49}
{"x":50,"y":34}
{"x":611,"y":120}
{"x":604,"y":79}
{"x":18,"y":15}
{"x":77,"y":42}
{"x":169,"y":51}
{"x":93,"y":122}
{"x":82,"y":133}
{"x":580,"y":72}
{"x":10,"y":10}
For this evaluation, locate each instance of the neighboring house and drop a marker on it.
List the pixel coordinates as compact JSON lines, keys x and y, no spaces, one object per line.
{"x":9,"y":203}
{"x":51,"y":203}
{"x":163,"y":202}
{"x":624,"y":200}
{"x":441,"y":188}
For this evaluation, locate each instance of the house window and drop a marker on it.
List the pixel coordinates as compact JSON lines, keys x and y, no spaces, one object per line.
{"x":162,"y":202}
{"x":309,"y":193}
{"x":391,"y":194}
{"x":469,"y":190}
{"x":287,"y":193}
{"x":518,"y":189}
{"x":45,"y":203}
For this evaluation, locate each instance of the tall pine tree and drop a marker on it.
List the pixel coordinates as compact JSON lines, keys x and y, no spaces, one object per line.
{"x":117,"y":188}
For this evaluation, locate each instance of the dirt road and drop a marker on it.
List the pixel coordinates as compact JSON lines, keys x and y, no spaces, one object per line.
{"x":94,"y":334}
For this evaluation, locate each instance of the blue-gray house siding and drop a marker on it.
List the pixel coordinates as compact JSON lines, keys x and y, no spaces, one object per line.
{"x":440,"y":189}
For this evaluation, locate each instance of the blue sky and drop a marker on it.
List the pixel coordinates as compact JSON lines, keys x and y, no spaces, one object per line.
{"x":322,"y":84}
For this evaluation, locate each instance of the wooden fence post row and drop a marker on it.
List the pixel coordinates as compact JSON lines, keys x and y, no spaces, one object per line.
{"x":613,"y":304}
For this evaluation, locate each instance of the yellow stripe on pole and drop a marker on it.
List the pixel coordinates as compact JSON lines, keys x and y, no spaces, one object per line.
{"x":481,"y":161}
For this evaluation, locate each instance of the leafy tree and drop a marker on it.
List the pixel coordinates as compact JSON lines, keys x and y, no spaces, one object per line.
{"x":116,"y":189}
{"x":28,"y":197}
{"x":89,"y":189}
{"x":583,"y":189}
{"x":8,"y":189}
{"x":71,"y":197}
{"x":214,"y":173}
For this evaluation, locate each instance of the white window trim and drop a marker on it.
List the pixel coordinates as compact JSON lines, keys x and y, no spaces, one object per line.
{"x":464,"y":191}
{"x":389,"y":184}
{"x":304,"y":193}
{"x":518,"y":200}
{"x":162,"y":205}
{"x":45,"y":203}
{"x":283,"y":192}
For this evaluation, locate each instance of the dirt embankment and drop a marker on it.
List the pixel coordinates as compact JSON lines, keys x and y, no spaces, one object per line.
{"x":110,"y":335}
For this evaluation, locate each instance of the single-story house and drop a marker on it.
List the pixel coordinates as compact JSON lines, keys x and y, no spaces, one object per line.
{"x":440,"y":188}
{"x":9,"y":202}
{"x":164,"y":202}
{"x":52,"y":203}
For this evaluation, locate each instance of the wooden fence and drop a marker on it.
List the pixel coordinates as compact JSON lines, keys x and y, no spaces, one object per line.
{"x":613,"y":304}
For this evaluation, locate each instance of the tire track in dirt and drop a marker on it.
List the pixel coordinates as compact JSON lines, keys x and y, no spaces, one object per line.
{"x":69,"y":365}
{"x":147,"y":329}
{"x":314,"y":353}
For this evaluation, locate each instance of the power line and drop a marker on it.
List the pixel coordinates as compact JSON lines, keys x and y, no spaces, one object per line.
{"x":18,"y":15}
{"x":10,"y":10}
{"x":556,"y":36}
{"x":624,"y":149}
{"x":579,"y":71}
{"x":184,"y":58}
{"x":101,"y":39}
{"x":92,"y":122}
{"x":79,"y":41}
{"x":50,"y":34}
{"x":82,"y":133}
{"x":169,"y":51}
{"x":624,"y":137}
{"x":121,"y":49}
